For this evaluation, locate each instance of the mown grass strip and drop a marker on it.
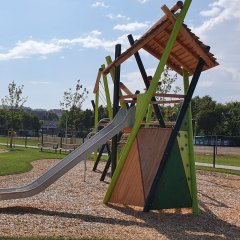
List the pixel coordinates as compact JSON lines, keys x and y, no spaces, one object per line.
{"x":219,"y":170}
{"x":18,"y":160}
{"x":220,"y":159}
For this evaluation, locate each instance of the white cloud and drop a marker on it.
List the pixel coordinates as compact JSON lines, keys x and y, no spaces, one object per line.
{"x":221,"y":31}
{"x":131,"y":26}
{"x":142,"y":1}
{"x":43,"y":57}
{"x":93,"y":40}
{"x":29,"y":48}
{"x":99,"y":4}
{"x":117,"y":16}
{"x":211,"y":13}
{"x":227,"y":11}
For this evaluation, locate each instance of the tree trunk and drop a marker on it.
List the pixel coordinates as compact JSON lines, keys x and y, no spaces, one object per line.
{"x":11,"y":138}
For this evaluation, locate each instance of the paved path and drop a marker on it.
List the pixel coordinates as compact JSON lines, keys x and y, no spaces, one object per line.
{"x":218,"y":166}
{"x":19,"y":145}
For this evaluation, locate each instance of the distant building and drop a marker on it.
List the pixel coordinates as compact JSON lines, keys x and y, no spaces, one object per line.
{"x":49,"y":127}
{"x":58,"y":112}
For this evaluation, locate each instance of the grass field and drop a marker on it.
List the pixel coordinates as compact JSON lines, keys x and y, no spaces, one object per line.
{"x":18,"y":160}
{"x":35,"y":141}
{"x":220,"y":170}
{"x":221,"y":160}
{"x":20,"y":141}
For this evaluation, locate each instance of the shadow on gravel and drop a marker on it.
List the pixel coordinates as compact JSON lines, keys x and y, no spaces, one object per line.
{"x":205,"y":226}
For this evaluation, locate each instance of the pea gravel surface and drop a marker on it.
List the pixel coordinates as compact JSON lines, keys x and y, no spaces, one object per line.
{"x":73,"y":208}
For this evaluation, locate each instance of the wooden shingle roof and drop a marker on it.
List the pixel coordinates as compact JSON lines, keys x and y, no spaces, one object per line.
{"x":186,"y":50}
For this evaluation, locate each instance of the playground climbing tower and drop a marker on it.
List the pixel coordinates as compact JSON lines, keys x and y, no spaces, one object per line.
{"x":156,"y":168}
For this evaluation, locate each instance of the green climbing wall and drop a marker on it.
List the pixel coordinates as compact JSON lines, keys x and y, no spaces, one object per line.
{"x":172,"y":189}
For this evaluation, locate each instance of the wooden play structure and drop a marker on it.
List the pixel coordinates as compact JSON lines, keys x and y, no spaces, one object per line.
{"x":156,"y":168}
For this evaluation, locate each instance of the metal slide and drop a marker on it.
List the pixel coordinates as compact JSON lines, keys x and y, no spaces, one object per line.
{"x":124,"y":118}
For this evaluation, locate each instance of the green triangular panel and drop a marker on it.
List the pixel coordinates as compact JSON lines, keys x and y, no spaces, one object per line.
{"x":184,"y":126}
{"x":184,"y":150}
{"x":172,"y":190}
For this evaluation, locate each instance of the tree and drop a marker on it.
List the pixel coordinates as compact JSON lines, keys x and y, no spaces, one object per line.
{"x":13,"y":103}
{"x":3,"y":119}
{"x":167,"y":82}
{"x":167,"y":85}
{"x":72,"y":103}
{"x":231,"y":118}
{"x":88,"y":119}
{"x":30,"y":122}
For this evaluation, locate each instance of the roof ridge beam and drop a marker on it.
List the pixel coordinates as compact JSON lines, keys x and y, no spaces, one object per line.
{"x":202,"y":53}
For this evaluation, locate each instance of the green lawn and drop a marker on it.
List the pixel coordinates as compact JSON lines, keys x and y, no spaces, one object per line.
{"x":221,"y":160}
{"x":20,"y":141}
{"x":18,"y":160}
{"x":220,"y":170}
{"x":34,"y":141}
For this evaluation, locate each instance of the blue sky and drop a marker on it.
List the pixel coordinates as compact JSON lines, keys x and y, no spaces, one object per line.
{"x":48,"y":45}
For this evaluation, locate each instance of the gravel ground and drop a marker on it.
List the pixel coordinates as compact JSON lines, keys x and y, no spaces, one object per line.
{"x":73,"y":208}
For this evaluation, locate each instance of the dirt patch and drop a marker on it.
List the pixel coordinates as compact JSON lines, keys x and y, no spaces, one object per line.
{"x":3,"y":150}
{"x":73,"y":208}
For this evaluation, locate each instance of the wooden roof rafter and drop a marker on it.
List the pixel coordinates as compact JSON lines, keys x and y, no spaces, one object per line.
{"x":148,"y":35}
{"x":185,"y":53}
{"x":187,"y":35}
{"x":173,"y":57}
{"x":98,"y":79}
{"x":171,"y":65}
{"x":182,"y":45}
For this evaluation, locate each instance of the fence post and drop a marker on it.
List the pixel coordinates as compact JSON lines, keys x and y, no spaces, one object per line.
{"x":61,"y":142}
{"x":42,"y":141}
{"x":25,"y":141}
{"x":214,"y":155}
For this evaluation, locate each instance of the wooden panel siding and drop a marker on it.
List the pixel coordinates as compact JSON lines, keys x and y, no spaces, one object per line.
{"x":152,"y":143}
{"x":129,"y":187}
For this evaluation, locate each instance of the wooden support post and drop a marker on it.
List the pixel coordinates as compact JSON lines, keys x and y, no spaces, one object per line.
{"x":146,"y":82}
{"x":112,"y":73}
{"x":174,"y":133}
{"x":115,"y":107}
{"x":93,"y":104}
{"x":195,"y":209}
{"x":96,"y":118}
{"x":98,"y":157}
{"x":108,"y":99}
{"x":146,"y":98}
{"x":149,"y":115}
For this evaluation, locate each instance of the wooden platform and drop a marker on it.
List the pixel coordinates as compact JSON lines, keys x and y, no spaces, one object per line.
{"x":141,"y":166}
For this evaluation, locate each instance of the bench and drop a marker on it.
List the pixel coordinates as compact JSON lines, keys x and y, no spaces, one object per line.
{"x":48,"y":145}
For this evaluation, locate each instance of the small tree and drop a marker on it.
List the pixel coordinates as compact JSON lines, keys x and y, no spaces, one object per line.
{"x":72,"y":103}
{"x":167,"y":85}
{"x":167,"y":82}
{"x":13,"y":103}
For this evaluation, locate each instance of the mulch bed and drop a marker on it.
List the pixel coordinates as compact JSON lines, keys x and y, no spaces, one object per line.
{"x":73,"y":208}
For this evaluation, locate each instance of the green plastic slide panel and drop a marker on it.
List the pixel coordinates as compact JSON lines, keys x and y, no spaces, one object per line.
{"x":183,"y":144}
{"x":172,"y":190}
